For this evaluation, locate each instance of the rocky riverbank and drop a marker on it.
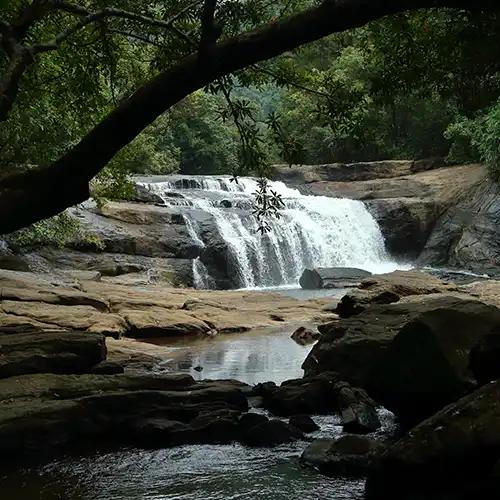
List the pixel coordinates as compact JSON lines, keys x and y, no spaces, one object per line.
{"x":441,"y":216}
{"x":429,"y":351}
{"x":444,"y":216}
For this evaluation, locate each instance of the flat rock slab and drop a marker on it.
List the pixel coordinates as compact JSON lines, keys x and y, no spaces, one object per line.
{"x":50,"y":352}
{"x":48,"y":303}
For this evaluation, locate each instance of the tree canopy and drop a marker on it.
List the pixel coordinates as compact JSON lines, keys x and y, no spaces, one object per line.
{"x":88,"y":84}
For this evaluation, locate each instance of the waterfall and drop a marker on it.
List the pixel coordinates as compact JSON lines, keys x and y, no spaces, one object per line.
{"x":313,"y":231}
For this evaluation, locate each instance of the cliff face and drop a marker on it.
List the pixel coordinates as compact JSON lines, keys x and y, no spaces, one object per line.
{"x":441,"y":216}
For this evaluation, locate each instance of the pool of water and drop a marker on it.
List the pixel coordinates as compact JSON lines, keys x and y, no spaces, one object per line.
{"x":205,"y":472}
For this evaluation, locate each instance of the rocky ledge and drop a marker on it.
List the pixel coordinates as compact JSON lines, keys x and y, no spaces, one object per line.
{"x":53,"y":303}
{"x":442,"y":215}
{"x":429,"y":351}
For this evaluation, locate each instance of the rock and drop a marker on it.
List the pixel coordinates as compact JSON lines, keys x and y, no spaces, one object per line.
{"x":389,"y":288}
{"x":58,"y":302}
{"x":453,"y":452}
{"x":43,"y":413}
{"x":107,"y":368}
{"x":304,"y":336}
{"x":271,"y":433}
{"x":304,"y":423}
{"x":349,"y":172}
{"x":332,"y":277}
{"x":411,"y":356}
{"x":357,"y":410}
{"x":49,"y":352}
{"x":14,"y":263}
{"x":349,"y":455}
{"x":249,"y":420}
{"x":315,"y":395}
{"x":466,"y":236}
{"x":484,"y":359}
{"x":427,"y":364}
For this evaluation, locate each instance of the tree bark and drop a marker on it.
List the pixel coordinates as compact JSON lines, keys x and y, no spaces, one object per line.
{"x":29,"y":197}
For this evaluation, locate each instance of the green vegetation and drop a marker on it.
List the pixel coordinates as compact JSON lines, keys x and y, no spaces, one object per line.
{"x":418,"y":84}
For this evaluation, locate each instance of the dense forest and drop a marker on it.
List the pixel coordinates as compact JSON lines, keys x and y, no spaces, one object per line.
{"x":415,"y":85}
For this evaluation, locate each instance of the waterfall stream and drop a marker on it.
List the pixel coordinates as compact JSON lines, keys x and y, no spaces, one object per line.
{"x":313,"y":231}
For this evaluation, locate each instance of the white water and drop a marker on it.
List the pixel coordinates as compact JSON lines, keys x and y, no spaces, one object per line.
{"x":314,"y":231}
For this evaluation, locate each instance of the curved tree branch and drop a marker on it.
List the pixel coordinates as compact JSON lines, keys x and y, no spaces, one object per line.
{"x":27,"y":198}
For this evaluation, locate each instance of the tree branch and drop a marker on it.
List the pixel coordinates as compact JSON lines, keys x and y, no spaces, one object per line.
{"x":37,"y":194}
{"x":209,"y":30}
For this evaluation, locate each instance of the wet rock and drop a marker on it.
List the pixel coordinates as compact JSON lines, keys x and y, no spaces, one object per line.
{"x":304,"y":336}
{"x":271,"y":433}
{"x":357,"y":410}
{"x":315,"y":395}
{"x":249,"y":420}
{"x":349,"y":455}
{"x":42,"y":413}
{"x":50,"y":352}
{"x":333,"y":277}
{"x":450,"y":455}
{"x":304,"y":423}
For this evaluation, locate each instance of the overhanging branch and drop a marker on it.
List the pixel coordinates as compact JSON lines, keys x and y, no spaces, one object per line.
{"x":27,"y":198}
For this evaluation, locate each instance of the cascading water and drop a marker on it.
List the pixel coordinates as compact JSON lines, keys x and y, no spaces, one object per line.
{"x":313,"y":231}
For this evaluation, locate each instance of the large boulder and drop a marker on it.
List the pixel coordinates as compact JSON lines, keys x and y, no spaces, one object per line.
{"x":349,"y":455}
{"x":412,"y":356}
{"x":428,"y":364}
{"x":332,"y":277}
{"x":452,"y":455}
{"x":43,"y":413}
{"x":389,"y":288}
{"x":49,"y":352}
{"x":271,"y":433}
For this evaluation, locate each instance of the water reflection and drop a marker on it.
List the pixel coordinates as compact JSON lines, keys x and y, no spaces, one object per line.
{"x":259,"y":356}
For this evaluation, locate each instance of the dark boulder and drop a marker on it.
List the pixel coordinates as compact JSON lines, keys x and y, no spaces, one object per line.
{"x":271,"y":433}
{"x":332,"y":277}
{"x":304,"y":336}
{"x":412,"y":356}
{"x":314,"y":395}
{"x":485,"y":358}
{"x":427,"y":364}
{"x":452,"y":455}
{"x":349,"y":455}
{"x":50,"y":352}
{"x":249,"y":420}
{"x":304,"y":423}
{"x":357,"y":410}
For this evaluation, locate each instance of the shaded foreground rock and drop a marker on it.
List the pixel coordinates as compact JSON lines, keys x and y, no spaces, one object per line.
{"x":412,"y":356}
{"x":349,"y":455}
{"x":49,"y":352}
{"x":322,"y":394}
{"x":40,"y":413}
{"x":428,"y":363}
{"x":304,"y":423}
{"x":452,"y":455}
{"x":332,"y":277}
